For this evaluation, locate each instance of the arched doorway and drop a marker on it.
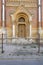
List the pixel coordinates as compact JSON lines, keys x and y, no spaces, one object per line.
{"x":22,"y":25}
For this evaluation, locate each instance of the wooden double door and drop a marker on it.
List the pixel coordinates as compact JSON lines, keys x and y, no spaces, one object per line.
{"x":22,"y":30}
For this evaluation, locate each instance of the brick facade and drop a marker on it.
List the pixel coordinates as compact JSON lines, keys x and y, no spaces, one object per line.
{"x":30,"y":7}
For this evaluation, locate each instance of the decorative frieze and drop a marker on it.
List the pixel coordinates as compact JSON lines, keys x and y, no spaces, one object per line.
{"x":26,"y":4}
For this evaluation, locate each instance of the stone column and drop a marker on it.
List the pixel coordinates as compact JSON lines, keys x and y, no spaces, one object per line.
{"x":39,"y":10}
{"x":30,"y":20}
{"x":13,"y":26}
{"x":39,"y":24}
{"x":30,"y":31}
{"x":3,"y":13}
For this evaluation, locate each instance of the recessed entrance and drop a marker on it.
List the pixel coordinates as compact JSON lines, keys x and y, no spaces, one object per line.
{"x":21,"y":30}
{"x":21,"y":25}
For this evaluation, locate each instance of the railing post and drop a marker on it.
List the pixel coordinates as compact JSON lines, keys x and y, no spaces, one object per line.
{"x":2,"y":44}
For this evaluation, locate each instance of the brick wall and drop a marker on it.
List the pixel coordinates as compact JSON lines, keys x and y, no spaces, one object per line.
{"x":42,"y":13}
{"x":0,"y":12}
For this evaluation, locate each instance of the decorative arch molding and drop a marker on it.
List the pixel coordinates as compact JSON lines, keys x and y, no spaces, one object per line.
{"x":22,"y":14}
{"x":21,"y":10}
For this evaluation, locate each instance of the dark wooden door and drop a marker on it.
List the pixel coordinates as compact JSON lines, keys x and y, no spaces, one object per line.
{"x":21,"y":30}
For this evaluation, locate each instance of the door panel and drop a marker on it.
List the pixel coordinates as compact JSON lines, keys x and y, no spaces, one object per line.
{"x":21,"y":30}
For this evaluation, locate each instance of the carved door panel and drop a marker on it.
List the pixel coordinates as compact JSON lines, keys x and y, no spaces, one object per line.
{"x":21,"y":30}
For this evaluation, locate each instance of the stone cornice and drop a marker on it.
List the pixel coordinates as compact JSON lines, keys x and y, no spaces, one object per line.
{"x":25,"y":4}
{"x":21,"y":0}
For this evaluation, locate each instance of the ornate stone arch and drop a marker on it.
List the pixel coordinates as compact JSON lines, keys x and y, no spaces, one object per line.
{"x":22,"y":12}
{"x":24,"y":31}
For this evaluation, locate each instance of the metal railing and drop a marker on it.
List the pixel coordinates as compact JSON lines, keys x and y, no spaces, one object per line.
{"x":24,"y":42}
{"x":7,"y":39}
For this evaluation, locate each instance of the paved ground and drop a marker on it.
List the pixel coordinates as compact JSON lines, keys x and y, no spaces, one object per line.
{"x":22,"y":62}
{"x":21,"y":55}
{"x":20,"y":52}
